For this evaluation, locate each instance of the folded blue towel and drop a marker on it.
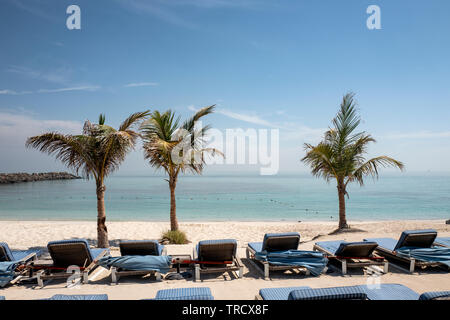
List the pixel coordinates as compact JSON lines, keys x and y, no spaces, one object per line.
{"x":314,"y":261}
{"x":138,"y":263}
{"x":7,"y":269}
{"x":435,"y":254}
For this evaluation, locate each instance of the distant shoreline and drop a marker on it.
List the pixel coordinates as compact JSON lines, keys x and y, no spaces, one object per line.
{"x":9,"y":178}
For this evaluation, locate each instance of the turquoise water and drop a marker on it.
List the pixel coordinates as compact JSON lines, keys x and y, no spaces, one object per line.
{"x":218,"y":198}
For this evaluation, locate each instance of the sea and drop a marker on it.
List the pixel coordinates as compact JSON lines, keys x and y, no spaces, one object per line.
{"x":230,"y":197}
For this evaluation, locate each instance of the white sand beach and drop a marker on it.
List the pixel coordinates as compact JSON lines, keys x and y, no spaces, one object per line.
{"x":25,"y":234}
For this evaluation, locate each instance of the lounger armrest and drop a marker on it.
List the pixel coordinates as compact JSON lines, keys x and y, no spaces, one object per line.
{"x":31,"y":256}
{"x":94,"y":263}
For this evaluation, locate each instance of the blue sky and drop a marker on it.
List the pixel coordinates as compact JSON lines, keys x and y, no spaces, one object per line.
{"x":266,"y":64}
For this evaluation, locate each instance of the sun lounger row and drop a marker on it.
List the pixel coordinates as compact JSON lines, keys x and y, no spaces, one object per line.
{"x":278,"y":251}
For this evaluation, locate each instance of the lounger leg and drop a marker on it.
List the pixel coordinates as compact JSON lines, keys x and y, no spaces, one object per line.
{"x":344,"y":266}
{"x":197,"y":272}
{"x":412,"y":265}
{"x":386,"y":267}
{"x":241,"y":272}
{"x":85,"y":277}
{"x":247,"y":253}
{"x":307,"y":272}
{"x":114,"y":277}
{"x":39,"y":279}
{"x":266,"y":271}
{"x":158,"y":276}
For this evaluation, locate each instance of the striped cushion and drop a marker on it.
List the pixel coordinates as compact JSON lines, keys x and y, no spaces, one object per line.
{"x":389,"y":291}
{"x":6,"y":254}
{"x":184,"y":294}
{"x":337,"y":293}
{"x":443,"y":241}
{"x":434,"y":295}
{"x":278,"y":293}
{"x":269,"y":236}
{"x":80,"y":297}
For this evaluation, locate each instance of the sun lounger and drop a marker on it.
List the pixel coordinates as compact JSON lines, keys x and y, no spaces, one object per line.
{"x":6,"y":254}
{"x":390,"y":248}
{"x":351,"y":254}
{"x":184,"y":294}
{"x":79,"y":297}
{"x":138,"y":248}
{"x":216,"y":256}
{"x":2,"y":298}
{"x":443,"y":242}
{"x":11,"y":260}
{"x":389,"y":291}
{"x":277,"y":243}
{"x":67,"y":256}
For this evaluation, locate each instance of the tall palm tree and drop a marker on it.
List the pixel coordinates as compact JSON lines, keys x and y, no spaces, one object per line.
{"x":340,"y":155}
{"x":176,"y":148}
{"x":97,"y":152}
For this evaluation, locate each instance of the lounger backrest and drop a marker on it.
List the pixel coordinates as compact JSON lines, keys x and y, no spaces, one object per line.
{"x":281,"y":241}
{"x":139,"y":248}
{"x":79,"y":297}
{"x":417,"y":238}
{"x":216,"y":250}
{"x":338,"y":293}
{"x":66,"y":253}
{"x":5,"y":252}
{"x":356,"y":249}
{"x":435,"y":295}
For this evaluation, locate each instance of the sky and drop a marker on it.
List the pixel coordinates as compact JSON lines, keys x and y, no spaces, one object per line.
{"x":265,"y":65}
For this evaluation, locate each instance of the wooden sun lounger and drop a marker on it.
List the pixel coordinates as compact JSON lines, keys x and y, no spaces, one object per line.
{"x":138,"y":247}
{"x":411,"y":238}
{"x":275,"y":242}
{"x":69,"y":257}
{"x":219,"y":255}
{"x":354,"y":255}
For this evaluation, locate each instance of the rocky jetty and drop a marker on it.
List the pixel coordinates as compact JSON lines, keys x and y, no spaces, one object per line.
{"x":27,"y":177}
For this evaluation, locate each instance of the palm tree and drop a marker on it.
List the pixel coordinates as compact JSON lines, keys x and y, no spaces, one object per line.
{"x":340,"y":155}
{"x":96,"y":153}
{"x":176,"y":148}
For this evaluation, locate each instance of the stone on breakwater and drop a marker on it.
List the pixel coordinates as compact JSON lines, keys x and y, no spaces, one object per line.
{"x":27,"y":177}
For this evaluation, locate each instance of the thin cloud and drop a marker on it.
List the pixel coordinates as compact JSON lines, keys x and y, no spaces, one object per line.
{"x":59,"y":76}
{"x":141,"y":84}
{"x":15,"y":128}
{"x":424,"y":134}
{"x":80,"y":88}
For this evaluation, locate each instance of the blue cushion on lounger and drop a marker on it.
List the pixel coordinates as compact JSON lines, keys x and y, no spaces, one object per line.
{"x":389,"y":291}
{"x":203,"y":243}
{"x":443,"y":241}
{"x":386,"y":243}
{"x":278,"y":293}
{"x":140,"y":247}
{"x":184,"y":294}
{"x":6,"y":254}
{"x":330,"y":246}
{"x":336,"y":293}
{"x":434,"y":295}
{"x":80,"y":297}
{"x":289,"y":235}
{"x":2,"y":298}
{"x":257,"y":246}
{"x":65,"y":257}
{"x":408,"y":238}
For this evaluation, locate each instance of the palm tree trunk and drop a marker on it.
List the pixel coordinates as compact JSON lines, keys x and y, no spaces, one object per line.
{"x":342,"y":217}
{"x":173,"y":206}
{"x":102,"y":231}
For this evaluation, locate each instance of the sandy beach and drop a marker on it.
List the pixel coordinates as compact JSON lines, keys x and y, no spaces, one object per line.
{"x":26,"y":234}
